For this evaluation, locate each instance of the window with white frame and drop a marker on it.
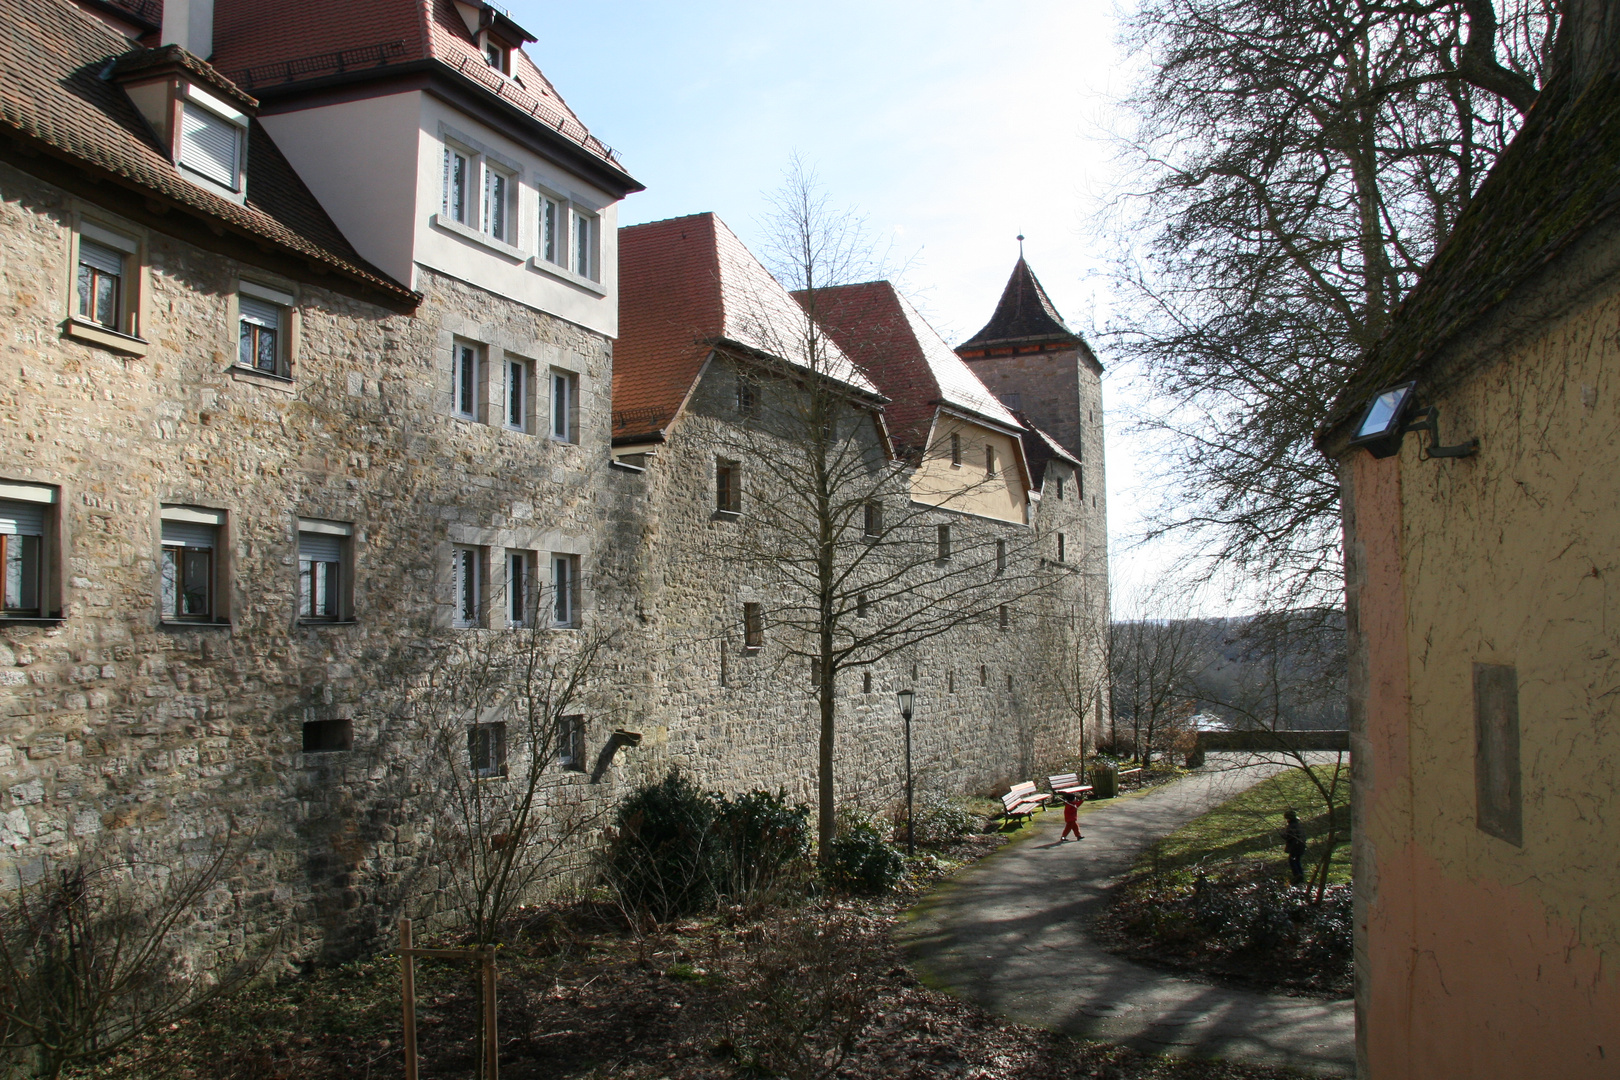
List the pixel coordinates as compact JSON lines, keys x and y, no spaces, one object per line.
{"x":27,"y":520}
{"x":517,"y":392}
{"x":519,"y":588}
{"x":458,"y":179}
{"x":553,"y":223}
{"x":582,"y":260}
{"x":466,"y":379}
{"x":498,"y":190}
{"x":571,"y":743}
{"x":213,"y":139}
{"x":564,"y":406}
{"x":263,"y":330}
{"x":486,"y":749}
{"x":467,"y":584}
{"x":565,"y":590}
{"x":497,"y":55}
{"x":323,"y":569}
{"x":191,"y":564}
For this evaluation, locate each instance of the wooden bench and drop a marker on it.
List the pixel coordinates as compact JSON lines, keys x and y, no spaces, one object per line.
{"x":1023,"y":800}
{"x":1123,"y":773}
{"x":1067,"y":784}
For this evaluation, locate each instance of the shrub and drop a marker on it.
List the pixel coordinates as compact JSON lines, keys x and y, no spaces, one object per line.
{"x":663,"y":857}
{"x":940,"y":821}
{"x":762,"y":834}
{"x":860,"y":861}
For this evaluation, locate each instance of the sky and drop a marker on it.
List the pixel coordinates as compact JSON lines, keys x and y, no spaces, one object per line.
{"x":952,"y":126}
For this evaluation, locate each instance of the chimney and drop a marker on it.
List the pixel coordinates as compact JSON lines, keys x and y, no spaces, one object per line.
{"x":190,"y":25}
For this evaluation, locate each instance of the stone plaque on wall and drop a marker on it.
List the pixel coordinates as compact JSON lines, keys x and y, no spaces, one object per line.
{"x":1496,"y":751}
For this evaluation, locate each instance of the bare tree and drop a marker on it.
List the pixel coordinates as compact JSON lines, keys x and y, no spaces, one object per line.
{"x":855,"y":571}
{"x":1300,"y":161}
{"x":1154,"y":661}
{"x":501,"y":711}
{"x":93,"y":954}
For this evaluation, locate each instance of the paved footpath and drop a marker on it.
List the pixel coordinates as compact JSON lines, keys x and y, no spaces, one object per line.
{"x":1012,"y":933}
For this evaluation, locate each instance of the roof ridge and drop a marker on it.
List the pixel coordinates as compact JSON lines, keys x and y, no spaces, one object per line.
{"x":1024,"y":312}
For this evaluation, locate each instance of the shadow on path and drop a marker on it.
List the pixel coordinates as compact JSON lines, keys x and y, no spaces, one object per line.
{"x":1013,"y":933}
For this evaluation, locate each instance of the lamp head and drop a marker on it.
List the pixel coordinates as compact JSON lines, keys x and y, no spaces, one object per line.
{"x":906,"y":697}
{"x":1382,"y":424}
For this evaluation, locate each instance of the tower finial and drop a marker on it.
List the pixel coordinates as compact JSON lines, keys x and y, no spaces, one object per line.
{"x":1020,"y":245}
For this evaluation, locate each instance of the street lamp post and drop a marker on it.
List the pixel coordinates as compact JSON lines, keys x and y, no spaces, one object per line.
{"x":906,"y":697}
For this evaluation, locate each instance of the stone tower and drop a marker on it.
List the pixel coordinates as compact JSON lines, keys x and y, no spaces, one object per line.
{"x":1047,"y":373}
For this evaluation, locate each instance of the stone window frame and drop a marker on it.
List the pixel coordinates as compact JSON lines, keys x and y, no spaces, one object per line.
{"x":472,"y":207}
{"x":284,"y":295}
{"x":565,"y":605}
{"x":528,"y":395}
{"x":469,"y":580}
{"x":528,"y":603}
{"x":52,"y":552}
{"x":560,"y":376}
{"x":727,"y":489}
{"x":220,"y":568}
{"x":460,"y":384}
{"x":753,"y":627}
{"x":344,"y":533}
{"x":486,"y":750}
{"x":571,"y":742}
{"x":135,"y":284}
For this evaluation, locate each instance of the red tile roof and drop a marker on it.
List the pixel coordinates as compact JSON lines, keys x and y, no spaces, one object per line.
{"x":1024,"y":313}
{"x":901,"y":353}
{"x":686,"y":285}
{"x":56,"y":101}
{"x":268,"y":47}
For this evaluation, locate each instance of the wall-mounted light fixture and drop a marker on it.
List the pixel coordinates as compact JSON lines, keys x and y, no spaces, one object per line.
{"x":1386,"y":423}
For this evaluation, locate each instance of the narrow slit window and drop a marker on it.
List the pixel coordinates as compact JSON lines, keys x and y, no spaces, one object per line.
{"x":101,"y":284}
{"x":1060,"y":487}
{"x":467,"y":574}
{"x":860,"y":605}
{"x":753,"y":627}
{"x":496,"y":188}
{"x":872,"y":519}
{"x":1001,"y":556}
{"x":517,"y":395}
{"x":990,"y":461}
{"x":1062,"y":548}
{"x":866,"y":682}
{"x":584,"y":261}
{"x":727,"y":487}
{"x":550,"y":219}
{"x":465,"y":375}
{"x":1003,"y":617}
{"x":956,"y":449}
{"x":944,"y":542}
{"x":562,"y":406}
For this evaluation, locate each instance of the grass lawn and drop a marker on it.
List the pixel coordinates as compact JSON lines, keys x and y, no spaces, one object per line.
{"x":1249,"y":829}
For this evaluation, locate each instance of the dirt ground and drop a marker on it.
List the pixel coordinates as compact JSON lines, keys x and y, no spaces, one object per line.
{"x":815,"y":990}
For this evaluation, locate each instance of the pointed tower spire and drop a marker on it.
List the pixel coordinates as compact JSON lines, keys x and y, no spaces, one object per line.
{"x":1024,"y":314}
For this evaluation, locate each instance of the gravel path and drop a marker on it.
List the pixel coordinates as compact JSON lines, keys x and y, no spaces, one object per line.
{"x":1012,"y":933}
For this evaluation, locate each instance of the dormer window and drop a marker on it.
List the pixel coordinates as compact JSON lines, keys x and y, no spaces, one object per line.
{"x":213,"y":140}
{"x":497,"y":56}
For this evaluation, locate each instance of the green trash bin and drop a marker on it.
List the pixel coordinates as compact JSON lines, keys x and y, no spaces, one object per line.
{"x":1104,"y":781}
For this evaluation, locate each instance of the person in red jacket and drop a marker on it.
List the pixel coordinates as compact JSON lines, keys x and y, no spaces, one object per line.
{"x":1071,"y":817}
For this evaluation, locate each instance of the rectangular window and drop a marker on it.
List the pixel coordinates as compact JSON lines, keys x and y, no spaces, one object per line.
{"x":497,"y":192}
{"x":1060,"y":487}
{"x":486,"y":749}
{"x":950,"y":682}
{"x":571,"y":743}
{"x":262,"y":338}
{"x":467,"y":578}
{"x":860,"y":605}
{"x":190,"y":563}
{"x":323,"y":548}
{"x":519,"y":587}
{"x":747,"y":395}
{"x":1004,"y":617}
{"x":563,"y":406}
{"x":1062,"y":549}
{"x":815,"y":672}
{"x":1498,"y":805}
{"x":328,"y":736}
{"x":101,"y":284}
{"x":211,"y":146}
{"x":956,"y":449}
{"x":517,"y":394}
{"x":466,"y":377}
{"x":1001,"y":556}
{"x":944,"y":542}
{"x":551,"y":246}
{"x":866,"y":682}
{"x":584,"y":251}
{"x":565,"y":590}
{"x":1080,"y":484}
{"x":23,"y":527}
{"x":753,"y":627}
{"x":872,"y":519}
{"x":984,"y":675}
{"x":498,"y":57}
{"x":990,"y":461}
{"x":727,"y":487}
{"x":457,"y":174}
